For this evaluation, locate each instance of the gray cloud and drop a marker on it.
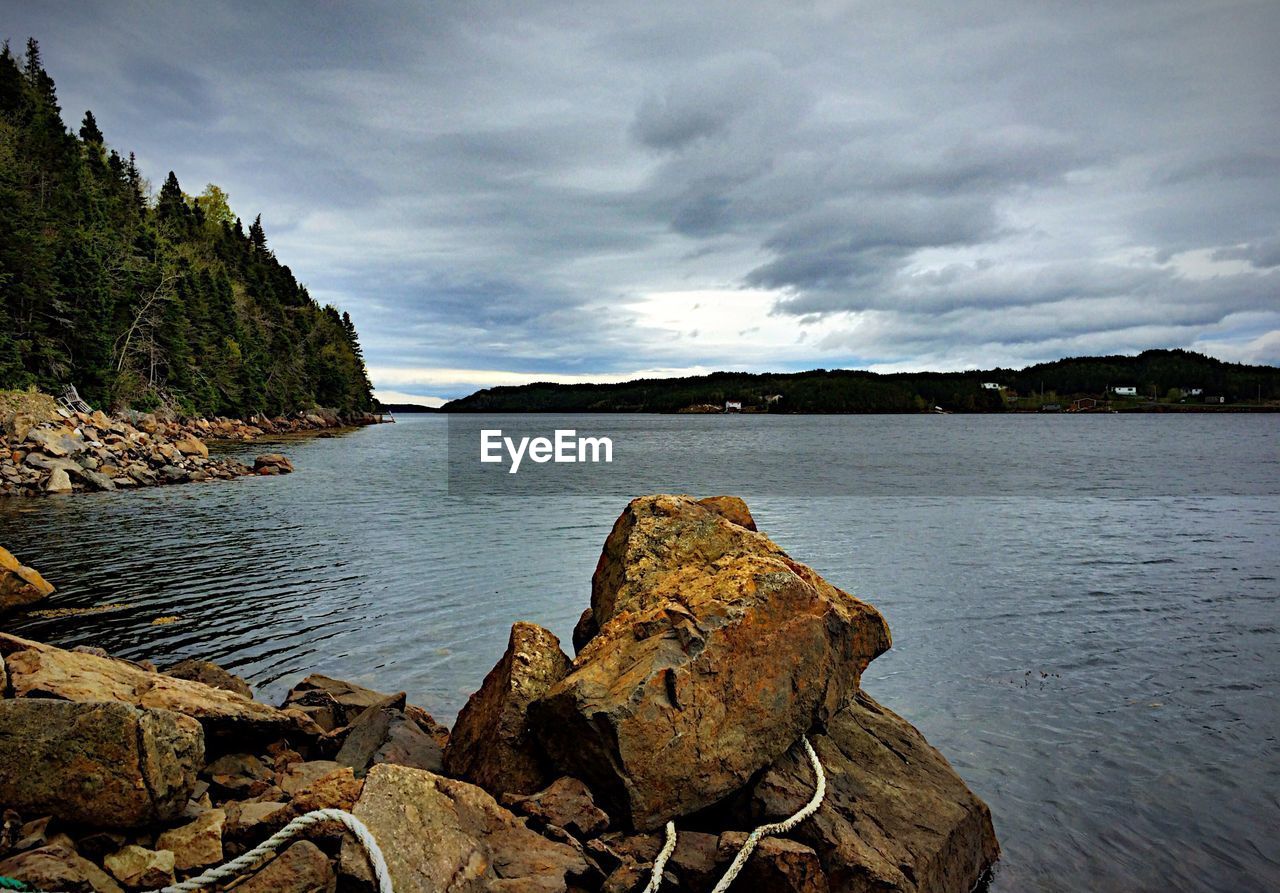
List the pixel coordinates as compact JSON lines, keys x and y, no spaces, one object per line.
{"x":487,"y":188}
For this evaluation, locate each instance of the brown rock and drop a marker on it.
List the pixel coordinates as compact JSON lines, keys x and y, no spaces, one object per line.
{"x":896,"y":818}
{"x":272,"y":463}
{"x":584,"y":630}
{"x":38,"y":670}
{"x":490,"y":744}
{"x":628,"y":877}
{"x":20,"y":586}
{"x":716,"y":652}
{"x":138,"y":867}
{"x":339,"y":789}
{"x":731,"y":508}
{"x":302,"y":868}
{"x":34,"y":834}
{"x":191,"y":446}
{"x":253,"y":819}
{"x":777,"y":865}
{"x":438,"y":731}
{"x":696,"y":861}
{"x":58,"y":867}
{"x":335,"y":702}
{"x":105,"y":765}
{"x":241,"y":774}
{"x":210,"y":674}
{"x":299,"y":775}
{"x":441,"y":834}
{"x":196,"y":844}
{"x":566,"y":803}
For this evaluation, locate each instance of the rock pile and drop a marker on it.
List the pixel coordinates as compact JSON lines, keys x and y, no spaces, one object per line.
{"x":706,"y":655}
{"x":93,"y":451}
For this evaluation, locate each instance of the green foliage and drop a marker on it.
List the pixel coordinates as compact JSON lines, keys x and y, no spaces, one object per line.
{"x":146,"y":305}
{"x":851,"y":391}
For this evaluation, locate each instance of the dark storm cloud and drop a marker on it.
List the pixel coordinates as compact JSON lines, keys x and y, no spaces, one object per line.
{"x":488,"y":187}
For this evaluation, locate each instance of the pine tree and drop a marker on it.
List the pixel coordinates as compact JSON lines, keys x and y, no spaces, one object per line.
{"x":257,"y":235}
{"x":171,"y":204}
{"x":89,"y":131}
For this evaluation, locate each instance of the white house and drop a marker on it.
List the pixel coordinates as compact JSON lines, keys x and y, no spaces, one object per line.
{"x":733,"y":406}
{"x":990,"y":386}
{"x":1125,"y":391}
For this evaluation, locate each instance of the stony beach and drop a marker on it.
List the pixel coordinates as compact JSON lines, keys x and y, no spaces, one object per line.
{"x":705,"y":656}
{"x":45,"y":448}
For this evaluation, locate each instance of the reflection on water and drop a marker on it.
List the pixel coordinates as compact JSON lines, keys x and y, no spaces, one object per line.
{"x":1102,"y":670}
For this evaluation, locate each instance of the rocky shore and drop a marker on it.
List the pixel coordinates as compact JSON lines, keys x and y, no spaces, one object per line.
{"x":705,"y":657}
{"x":47,"y":449}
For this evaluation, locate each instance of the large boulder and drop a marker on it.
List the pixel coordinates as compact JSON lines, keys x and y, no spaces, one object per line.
{"x":43,"y":671}
{"x":490,"y":744}
{"x":20,"y":586}
{"x":896,"y":819}
{"x":715,"y":652}
{"x":442,"y":834}
{"x":106,"y":765}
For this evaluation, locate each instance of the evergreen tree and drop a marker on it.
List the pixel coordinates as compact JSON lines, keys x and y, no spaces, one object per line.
{"x":139,"y":304}
{"x":89,"y":131}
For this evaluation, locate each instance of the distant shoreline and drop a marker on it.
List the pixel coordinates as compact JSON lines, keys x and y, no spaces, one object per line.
{"x":1159,"y":409}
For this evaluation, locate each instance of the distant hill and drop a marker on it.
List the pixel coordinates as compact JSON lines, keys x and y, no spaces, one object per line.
{"x":1173,"y":376}
{"x":403,"y":408}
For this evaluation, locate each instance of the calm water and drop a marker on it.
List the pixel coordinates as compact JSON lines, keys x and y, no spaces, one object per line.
{"x":1096,"y":648}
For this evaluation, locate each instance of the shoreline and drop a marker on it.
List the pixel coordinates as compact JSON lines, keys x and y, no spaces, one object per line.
{"x":546,"y":780}
{"x":48,"y":449}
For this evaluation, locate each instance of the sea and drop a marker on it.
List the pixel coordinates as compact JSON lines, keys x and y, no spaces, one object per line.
{"x":1085,"y":608}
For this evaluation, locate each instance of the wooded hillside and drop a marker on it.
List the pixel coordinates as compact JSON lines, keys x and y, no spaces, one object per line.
{"x":142,"y":301}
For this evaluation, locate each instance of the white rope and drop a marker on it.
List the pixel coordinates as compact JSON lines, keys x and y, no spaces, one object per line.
{"x":240,"y":864}
{"x":749,"y":845}
{"x":660,"y":863}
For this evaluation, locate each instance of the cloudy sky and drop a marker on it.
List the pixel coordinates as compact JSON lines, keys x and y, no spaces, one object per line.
{"x":501,"y":193}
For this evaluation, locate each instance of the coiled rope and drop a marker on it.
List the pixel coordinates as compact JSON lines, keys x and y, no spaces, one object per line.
{"x":240,"y":864}
{"x":754,"y":838}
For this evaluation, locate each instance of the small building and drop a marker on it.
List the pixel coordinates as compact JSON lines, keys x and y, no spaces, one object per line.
{"x":991,"y":386}
{"x":772,"y":399}
{"x":733,"y":406}
{"x":1192,"y":392}
{"x":1125,"y":391}
{"x":1215,"y":399}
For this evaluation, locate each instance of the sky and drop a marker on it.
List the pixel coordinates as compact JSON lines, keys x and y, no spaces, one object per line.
{"x":503,"y":193}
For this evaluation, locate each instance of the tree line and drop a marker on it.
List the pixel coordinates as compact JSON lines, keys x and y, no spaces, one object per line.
{"x":852,"y":391}
{"x":144,"y":301}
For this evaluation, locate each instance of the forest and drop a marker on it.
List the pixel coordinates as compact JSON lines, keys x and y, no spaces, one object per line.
{"x":142,"y":300}
{"x":1172,"y":376}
